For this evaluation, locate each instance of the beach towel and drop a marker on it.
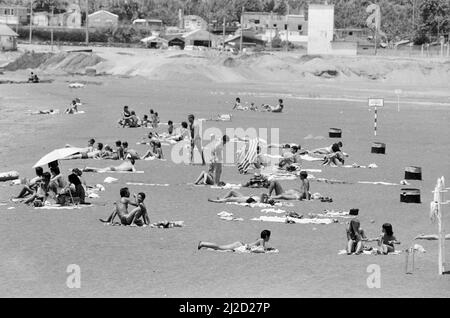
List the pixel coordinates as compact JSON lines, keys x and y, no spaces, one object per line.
{"x":228,"y":186}
{"x":333,"y":214}
{"x":147,"y":184}
{"x":332,"y":181}
{"x":379,"y":183}
{"x":244,"y":250}
{"x":261,"y":205}
{"x":248,"y":156}
{"x":290,"y":220}
{"x":59,"y":207}
{"x":167,"y":224}
{"x":110,"y":180}
{"x":371,"y":252}
{"x":357,"y":166}
{"x":76,"y":85}
{"x":310,"y":158}
{"x":226,"y":216}
{"x":121,"y":172}
{"x":277,"y":211}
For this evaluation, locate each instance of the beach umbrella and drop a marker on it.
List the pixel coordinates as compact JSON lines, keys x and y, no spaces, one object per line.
{"x":57,"y":154}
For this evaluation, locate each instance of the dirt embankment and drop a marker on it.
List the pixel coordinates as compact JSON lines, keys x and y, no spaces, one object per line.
{"x":217,"y":67}
{"x":65,"y":62}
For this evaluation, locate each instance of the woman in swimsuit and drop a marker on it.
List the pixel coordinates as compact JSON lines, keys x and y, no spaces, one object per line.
{"x":236,"y":197}
{"x":257,"y":247}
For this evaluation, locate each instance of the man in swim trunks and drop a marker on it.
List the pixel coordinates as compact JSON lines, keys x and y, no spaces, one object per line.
{"x":256,"y":247}
{"x":196,"y":139}
{"x":236,"y":197}
{"x":217,"y":158}
{"x":31,"y":185}
{"x":121,"y":210}
{"x":127,"y":166}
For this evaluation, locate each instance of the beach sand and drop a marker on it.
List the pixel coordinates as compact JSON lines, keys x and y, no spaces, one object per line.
{"x":37,"y":246}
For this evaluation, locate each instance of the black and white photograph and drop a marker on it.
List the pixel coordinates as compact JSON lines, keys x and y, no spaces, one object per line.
{"x":241,"y":150}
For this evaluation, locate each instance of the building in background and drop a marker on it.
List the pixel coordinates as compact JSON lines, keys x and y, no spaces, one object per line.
{"x":103,"y":19}
{"x":293,"y":27}
{"x":320,"y":28}
{"x":199,"y":38}
{"x":13,"y":15}
{"x":8,"y":38}
{"x":194,"y":22}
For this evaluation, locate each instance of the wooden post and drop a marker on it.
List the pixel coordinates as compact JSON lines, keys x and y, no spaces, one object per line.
{"x":31,"y":20}
{"x":87,"y":22}
{"x":224,"y":28}
{"x":52,"y":21}
{"x":287,"y":28}
{"x":242,"y":29}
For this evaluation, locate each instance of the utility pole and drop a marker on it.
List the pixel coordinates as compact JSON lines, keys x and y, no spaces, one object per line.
{"x":31,"y":20}
{"x":87,"y":22}
{"x":51,"y":26}
{"x":287,"y":29}
{"x":242,"y":29}
{"x":224,"y":28}
{"x":18,"y":19}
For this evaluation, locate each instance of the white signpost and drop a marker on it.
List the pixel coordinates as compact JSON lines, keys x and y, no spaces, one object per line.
{"x":376,"y":102}
{"x":436,"y":216}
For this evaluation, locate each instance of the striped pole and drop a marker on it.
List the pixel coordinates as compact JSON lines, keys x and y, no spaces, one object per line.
{"x":375,"y":123}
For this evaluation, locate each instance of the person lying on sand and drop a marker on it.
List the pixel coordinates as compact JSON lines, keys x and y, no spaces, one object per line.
{"x":206,"y":177}
{"x":387,"y":239}
{"x":31,"y":185}
{"x":431,"y":237}
{"x":137,"y":216}
{"x":236,"y":197}
{"x":89,"y":148}
{"x":334,"y":148}
{"x":46,"y":112}
{"x":108,"y":154}
{"x":291,"y":157}
{"x":127,"y":166}
{"x":259,"y":246}
{"x":94,"y":154}
{"x":355,"y":238}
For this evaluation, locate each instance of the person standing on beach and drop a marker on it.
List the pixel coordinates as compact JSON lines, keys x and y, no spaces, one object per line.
{"x":196,"y":139}
{"x":217,"y":158}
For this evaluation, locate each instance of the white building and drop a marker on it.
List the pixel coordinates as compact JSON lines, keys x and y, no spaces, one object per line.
{"x":320,"y":28}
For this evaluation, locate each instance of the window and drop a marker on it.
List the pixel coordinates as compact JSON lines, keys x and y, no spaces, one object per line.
{"x":300,"y":27}
{"x":285,"y":26}
{"x":350,"y":33}
{"x":275,"y":25}
{"x":256,"y":21}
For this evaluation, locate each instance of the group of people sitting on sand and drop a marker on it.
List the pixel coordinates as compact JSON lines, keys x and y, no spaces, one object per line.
{"x":131,"y":120}
{"x":356,"y":238}
{"x":33,"y":78}
{"x":138,"y":216}
{"x":52,"y":185}
{"x":263,"y":108}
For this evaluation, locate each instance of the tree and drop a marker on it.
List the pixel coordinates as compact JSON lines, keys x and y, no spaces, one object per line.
{"x":433,"y":20}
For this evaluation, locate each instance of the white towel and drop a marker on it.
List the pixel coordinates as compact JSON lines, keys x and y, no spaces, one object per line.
{"x":278,"y":219}
{"x":148,"y":184}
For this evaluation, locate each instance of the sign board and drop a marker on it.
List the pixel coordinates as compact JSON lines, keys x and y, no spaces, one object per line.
{"x":376,"y":102}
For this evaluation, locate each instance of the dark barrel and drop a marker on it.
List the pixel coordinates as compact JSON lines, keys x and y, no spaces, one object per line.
{"x":335,"y":133}
{"x":413,"y":173}
{"x":410,"y":196}
{"x":379,"y":147}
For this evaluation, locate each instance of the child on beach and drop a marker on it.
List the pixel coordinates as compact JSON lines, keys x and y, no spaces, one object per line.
{"x":259,"y":246}
{"x":386,"y":240}
{"x":170,"y":128}
{"x":355,"y":238}
{"x":137,"y":216}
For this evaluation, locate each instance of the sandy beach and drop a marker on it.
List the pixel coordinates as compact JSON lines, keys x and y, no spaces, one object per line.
{"x":37,"y":246}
